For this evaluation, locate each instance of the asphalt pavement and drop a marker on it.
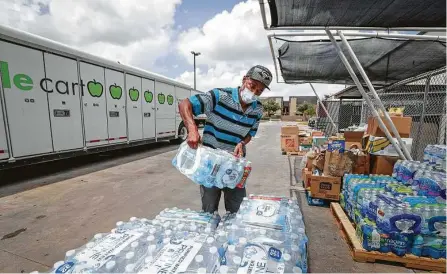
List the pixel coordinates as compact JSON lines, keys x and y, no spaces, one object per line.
{"x":42,"y":217}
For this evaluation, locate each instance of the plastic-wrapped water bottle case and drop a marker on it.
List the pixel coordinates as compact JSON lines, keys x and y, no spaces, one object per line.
{"x":212,"y":167}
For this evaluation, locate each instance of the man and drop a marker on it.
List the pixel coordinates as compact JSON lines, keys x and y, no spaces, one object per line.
{"x":233,"y":116}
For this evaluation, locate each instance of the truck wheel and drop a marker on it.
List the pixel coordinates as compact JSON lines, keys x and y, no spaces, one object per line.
{"x":182,"y":134}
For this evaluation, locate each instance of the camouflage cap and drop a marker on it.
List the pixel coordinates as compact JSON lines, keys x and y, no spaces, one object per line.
{"x":261,"y":74}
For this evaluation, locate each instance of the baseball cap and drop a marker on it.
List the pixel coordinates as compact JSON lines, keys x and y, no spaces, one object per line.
{"x":261,"y":74}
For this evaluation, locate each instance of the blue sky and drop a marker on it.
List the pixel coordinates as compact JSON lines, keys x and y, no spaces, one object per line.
{"x":190,"y":14}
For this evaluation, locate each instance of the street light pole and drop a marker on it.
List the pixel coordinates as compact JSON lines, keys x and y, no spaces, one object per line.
{"x":195,"y":54}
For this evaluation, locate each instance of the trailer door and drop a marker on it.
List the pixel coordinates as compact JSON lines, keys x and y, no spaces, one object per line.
{"x":94,"y":105}
{"x":134,"y":112}
{"x":4,"y":153}
{"x":180,"y":94}
{"x":64,"y":102}
{"x":116,"y":106}
{"x":148,"y":109}
{"x":165,"y":95}
{"x":26,"y":102}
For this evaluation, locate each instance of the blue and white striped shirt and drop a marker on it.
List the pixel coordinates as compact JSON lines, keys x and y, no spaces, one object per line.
{"x":227,"y":124}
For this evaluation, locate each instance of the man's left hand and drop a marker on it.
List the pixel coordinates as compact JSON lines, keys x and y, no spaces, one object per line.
{"x":239,"y":150}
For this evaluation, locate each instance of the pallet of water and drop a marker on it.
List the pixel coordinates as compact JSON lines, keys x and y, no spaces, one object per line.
{"x":266,"y":233}
{"x":392,"y":217}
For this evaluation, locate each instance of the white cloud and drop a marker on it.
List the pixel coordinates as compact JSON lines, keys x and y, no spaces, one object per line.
{"x":230,"y":43}
{"x":131,"y":31}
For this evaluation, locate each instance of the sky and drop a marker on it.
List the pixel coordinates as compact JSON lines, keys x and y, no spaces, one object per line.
{"x":159,"y":35}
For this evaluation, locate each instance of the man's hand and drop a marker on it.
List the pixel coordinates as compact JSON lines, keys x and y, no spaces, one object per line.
{"x":239,"y":150}
{"x":193,"y":138}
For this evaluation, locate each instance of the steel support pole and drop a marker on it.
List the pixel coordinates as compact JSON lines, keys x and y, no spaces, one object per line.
{"x":421,"y":121}
{"x":363,"y":92}
{"x":323,"y":106}
{"x":374,"y":93}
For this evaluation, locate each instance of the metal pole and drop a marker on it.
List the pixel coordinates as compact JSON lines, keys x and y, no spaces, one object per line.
{"x":421,"y":121}
{"x":323,"y":106}
{"x":264,"y":20}
{"x":292,"y":28}
{"x":273,"y":56}
{"x":194,"y":71}
{"x":374,"y":93}
{"x":363,"y":92}
{"x":360,"y":34}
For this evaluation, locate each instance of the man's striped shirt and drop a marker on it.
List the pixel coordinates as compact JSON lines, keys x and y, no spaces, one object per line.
{"x":227,"y":124}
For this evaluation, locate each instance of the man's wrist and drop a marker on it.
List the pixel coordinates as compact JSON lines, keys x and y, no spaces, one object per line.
{"x":243,"y":143}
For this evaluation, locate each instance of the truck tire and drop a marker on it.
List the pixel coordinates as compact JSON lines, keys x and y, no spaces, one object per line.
{"x":182,"y":134}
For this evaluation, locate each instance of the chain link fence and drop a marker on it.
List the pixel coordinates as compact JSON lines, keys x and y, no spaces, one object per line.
{"x":423,"y":98}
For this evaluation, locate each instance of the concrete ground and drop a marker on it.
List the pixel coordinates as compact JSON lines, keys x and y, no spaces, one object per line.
{"x":39,"y":225}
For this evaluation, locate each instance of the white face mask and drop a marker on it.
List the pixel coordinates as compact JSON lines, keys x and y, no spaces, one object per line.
{"x":247,"y":96}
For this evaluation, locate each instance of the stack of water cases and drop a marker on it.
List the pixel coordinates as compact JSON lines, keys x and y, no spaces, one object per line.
{"x":211,"y":167}
{"x":403,"y":214}
{"x":176,"y":241}
{"x":266,"y":235}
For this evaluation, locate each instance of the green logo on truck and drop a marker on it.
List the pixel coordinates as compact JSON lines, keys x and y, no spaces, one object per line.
{"x":148,"y":96}
{"x":115,"y":91}
{"x":94,"y":88}
{"x":24,"y":82}
{"x":134,"y":94}
{"x":170,"y":99}
{"x":161,"y":98}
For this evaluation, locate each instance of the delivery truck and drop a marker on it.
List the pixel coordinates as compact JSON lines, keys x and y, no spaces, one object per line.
{"x":58,"y":102}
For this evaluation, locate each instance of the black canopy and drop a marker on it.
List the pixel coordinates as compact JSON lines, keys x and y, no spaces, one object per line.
{"x":385,"y":61}
{"x":358,"y":13}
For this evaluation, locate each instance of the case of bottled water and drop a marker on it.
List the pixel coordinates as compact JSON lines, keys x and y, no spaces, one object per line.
{"x":435,"y":155}
{"x":211,"y":167}
{"x":402,"y":214}
{"x":267,"y":234}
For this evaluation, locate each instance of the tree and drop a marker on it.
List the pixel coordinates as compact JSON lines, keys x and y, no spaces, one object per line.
{"x":306,"y":109}
{"x":271,"y":107}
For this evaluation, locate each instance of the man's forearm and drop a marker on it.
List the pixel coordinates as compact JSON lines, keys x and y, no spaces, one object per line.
{"x":247,"y":139}
{"x":185,"y":109}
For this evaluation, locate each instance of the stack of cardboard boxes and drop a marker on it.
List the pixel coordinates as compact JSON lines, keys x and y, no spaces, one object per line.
{"x":357,"y":152}
{"x":383,"y":153}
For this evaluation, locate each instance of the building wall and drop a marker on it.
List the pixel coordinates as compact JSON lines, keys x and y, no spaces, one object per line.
{"x":295,"y":101}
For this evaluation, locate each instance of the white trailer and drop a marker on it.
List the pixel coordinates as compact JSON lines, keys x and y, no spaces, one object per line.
{"x":57,"y":102}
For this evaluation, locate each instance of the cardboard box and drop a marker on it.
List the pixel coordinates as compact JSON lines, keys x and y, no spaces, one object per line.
{"x":402,"y":124}
{"x":318,"y":141}
{"x":353,"y":136}
{"x":289,"y":143}
{"x":306,"y":177}
{"x":382,"y":146}
{"x":382,"y":164}
{"x":325,"y":187}
{"x":362,"y":164}
{"x":290,"y":130}
{"x":317,"y":133}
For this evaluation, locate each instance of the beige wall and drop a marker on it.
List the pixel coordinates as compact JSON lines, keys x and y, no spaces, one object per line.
{"x":292,"y":106}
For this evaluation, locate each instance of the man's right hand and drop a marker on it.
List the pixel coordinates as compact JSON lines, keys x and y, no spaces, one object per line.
{"x":193,"y":139}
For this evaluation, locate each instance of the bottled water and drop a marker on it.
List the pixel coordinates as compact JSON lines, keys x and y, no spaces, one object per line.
{"x":211,"y":167}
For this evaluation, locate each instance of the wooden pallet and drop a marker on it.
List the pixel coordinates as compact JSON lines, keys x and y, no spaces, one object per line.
{"x":359,"y":254}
